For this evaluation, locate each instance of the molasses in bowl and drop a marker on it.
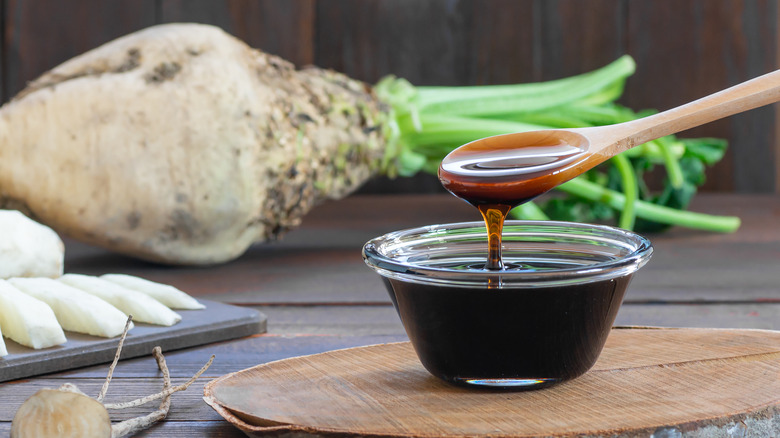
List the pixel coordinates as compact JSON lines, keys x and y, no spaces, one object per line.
{"x":541,"y":319}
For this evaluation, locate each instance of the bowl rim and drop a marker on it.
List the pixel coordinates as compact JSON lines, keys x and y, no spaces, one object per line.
{"x":640,"y":251}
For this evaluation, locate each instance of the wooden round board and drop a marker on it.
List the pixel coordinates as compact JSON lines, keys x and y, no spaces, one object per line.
{"x":667,"y":382}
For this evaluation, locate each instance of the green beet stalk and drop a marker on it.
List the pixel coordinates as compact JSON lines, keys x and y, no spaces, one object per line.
{"x":630,"y":191}
{"x":429,"y":122}
{"x":647,"y":210}
{"x":498,"y":99}
{"x":530,"y":211}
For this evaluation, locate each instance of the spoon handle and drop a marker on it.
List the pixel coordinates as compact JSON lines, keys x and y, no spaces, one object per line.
{"x":754,"y":93}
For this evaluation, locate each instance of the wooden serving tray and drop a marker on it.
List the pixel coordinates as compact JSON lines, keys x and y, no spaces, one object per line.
{"x":217,"y":322}
{"x":668,"y":382}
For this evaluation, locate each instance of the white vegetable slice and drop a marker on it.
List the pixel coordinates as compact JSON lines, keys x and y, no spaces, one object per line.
{"x":27,"y":248}
{"x":166,"y":294}
{"x":27,"y":320}
{"x":3,"y":351}
{"x":76,"y":310}
{"x":143,"y":307}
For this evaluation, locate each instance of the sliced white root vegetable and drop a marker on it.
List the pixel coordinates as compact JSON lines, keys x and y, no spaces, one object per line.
{"x":76,"y":310}
{"x":27,"y":248}
{"x":3,"y":350}
{"x":143,"y":307}
{"x":166,"y":294}
{"x":27,"y":320}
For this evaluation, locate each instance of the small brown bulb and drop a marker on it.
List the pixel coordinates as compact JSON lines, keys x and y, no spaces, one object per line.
{"x":61,"y":413}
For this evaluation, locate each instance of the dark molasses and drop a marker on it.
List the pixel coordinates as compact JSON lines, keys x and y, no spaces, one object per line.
{"x":508,"y":337}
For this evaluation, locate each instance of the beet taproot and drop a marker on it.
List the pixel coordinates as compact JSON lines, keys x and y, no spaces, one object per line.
{"x":181,"y":144}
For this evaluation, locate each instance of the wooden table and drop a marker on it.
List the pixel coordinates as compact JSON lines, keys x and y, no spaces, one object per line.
{"x":319,"y":296}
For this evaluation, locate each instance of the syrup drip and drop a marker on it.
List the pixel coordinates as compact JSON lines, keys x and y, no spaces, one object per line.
{"x":496,"y":174}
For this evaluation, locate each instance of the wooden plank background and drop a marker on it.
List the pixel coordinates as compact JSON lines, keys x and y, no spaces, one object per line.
{"x":684,"y":49}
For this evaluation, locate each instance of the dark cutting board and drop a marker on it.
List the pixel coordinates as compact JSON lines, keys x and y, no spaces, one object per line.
{"x":217,"y":322}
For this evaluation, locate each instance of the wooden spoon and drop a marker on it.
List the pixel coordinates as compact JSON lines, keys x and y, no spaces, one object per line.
{"x":513,"y":168}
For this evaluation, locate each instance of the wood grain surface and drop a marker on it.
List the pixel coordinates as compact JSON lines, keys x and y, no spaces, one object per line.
{"x":684,"y":50}
{"x":689,"y":379}
{"x":332,"y":301}
{"x":189,"y":415}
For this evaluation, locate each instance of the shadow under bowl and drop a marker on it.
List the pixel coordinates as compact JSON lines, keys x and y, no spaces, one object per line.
{"x":542,"y":320}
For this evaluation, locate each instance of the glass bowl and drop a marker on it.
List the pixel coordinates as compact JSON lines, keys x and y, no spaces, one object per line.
{"x":541,"y":320}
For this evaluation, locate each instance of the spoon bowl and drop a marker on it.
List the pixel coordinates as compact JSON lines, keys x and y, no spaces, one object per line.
{"x":516,"y":166}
